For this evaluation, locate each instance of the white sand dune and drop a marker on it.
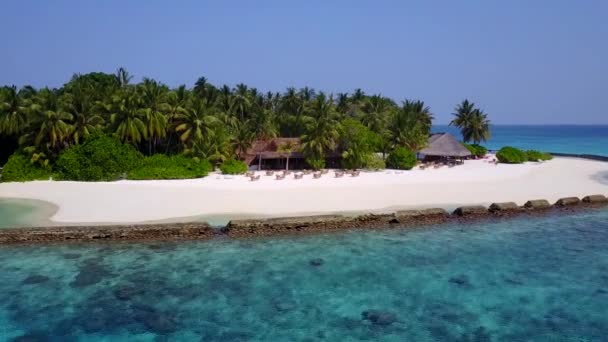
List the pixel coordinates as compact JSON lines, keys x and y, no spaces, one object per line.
{"x":475,"y":182}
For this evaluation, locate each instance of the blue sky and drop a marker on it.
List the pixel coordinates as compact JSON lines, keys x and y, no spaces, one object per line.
{"x":522,"y":61}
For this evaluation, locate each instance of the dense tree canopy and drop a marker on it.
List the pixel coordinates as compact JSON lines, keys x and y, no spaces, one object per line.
{"x":210,"y":122}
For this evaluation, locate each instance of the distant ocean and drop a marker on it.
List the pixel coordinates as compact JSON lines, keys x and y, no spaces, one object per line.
{"x":559,"y":138}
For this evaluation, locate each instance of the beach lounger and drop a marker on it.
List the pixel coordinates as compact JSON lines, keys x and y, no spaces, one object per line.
{"x":249,"y":174}
{"x":307,"y":172}
{"x":298,"y":176}
{"x":339,"y":174}
{"x":254,"y":178}
{"x":279,"y":176}
{"x":317,"y":175}
{"x":324,"y":171}
{"x":354,"y":174}
{"x":269,"y":173}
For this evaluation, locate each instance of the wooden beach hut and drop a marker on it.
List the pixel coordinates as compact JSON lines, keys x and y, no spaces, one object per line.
{"x":444,"y":147}
{"x":271,"y":154}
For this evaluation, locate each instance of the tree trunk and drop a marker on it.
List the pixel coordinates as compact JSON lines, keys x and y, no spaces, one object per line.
{"x":260,"y":161}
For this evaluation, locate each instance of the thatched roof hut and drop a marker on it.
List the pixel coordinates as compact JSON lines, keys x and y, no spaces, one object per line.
{"x":267,"y":154}
{"x":445,"y":145}
{"x":270,"y":149}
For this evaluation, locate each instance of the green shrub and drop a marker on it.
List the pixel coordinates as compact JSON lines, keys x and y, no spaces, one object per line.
{"x":19,"y":168}
{"x":233,"y":167}
{"x":161,"y":166}
{"x":99,"y":158}
{"x":315,"y":163}
{"x":401,"y":158}
{"x":374,"y":162}
{"x":357,"y":143}
{"x":534,"y":155}
{"x":511,"y":155}
{"x":476,"y":150}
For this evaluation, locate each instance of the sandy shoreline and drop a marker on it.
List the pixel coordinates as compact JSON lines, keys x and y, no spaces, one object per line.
{"x":216,"y":196}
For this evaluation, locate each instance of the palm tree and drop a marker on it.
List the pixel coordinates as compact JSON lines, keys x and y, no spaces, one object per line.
{"x":49,"y":127}
{"x":128,"y":118}
{"x":156,"y":126}
{"x":421,"y":112}
{"x":473,"y":123}
{"x":409,"y":126}
{"x":196,"y":122}
{"x":263,"y":127}
{"x":241,"y":140}
{"x":52,"y":128}
{"x":322,"y":130}
{"x":174,"y":104}
{"x":154,"y":96}
{"x":79,"y":104}
{"x":241,"y":100}
{"x":286,"y":149}
{"x":84,"y":125}
{"x":13,"y":111}
{"x":478,"y":129}
{"x":122,"y":77}
{"x":205,"y":90}
{"x":225,"y":99}
{"x":375,"y":112}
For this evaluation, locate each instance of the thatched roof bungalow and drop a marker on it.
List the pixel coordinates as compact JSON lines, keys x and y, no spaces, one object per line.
{"x":267,"y":154}
{"x":444,"y":145}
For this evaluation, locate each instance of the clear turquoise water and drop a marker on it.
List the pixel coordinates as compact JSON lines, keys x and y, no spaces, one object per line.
{"x":541,"y":279}
{"x":562,"y":138}
{"x":18,"y":213}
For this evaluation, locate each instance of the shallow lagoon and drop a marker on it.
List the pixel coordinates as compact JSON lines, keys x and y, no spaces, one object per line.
{"x":23,"y":213}
{"x":524,"y":279}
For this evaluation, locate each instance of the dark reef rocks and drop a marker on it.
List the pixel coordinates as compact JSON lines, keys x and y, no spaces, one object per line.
{"x":33,"y":336}
{"x":127,"y":292}
{"x":35,"y":279}
{"x":142,"y":232}
{"x":461,"y":280}
{"x":472,"y":210}
{"x":567,"y":201}
{"x":316,"y":262}
{"x":378,"y":317}
{"x":537,"y":204}
{"x":156,"y":322}
{"x":595,"y":199}
{"x":503,"y":207}
{"x":91,"y":272}
{"x":249,"y":228}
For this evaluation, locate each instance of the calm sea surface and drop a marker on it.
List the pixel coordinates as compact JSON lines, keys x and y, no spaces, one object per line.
{"x":564,"y":139}
{"x":541,"y":279}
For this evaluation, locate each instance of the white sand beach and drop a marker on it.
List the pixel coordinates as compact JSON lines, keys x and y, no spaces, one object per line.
{"x":475,"y":182}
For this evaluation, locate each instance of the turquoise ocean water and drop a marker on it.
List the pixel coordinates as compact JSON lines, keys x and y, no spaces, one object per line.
{"x":562,"y":138}
{"x":18,"y":213}
{"x":540,"y":279}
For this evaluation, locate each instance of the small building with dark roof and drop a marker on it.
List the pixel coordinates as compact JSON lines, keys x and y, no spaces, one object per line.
{"x":444,"y":146}
{"x":267,"y":155}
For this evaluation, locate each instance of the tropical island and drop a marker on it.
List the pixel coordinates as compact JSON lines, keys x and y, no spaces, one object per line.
{"x":105,"y":150}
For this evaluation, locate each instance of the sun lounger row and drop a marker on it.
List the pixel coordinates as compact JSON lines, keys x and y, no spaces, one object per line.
{"x":300,"y":175}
